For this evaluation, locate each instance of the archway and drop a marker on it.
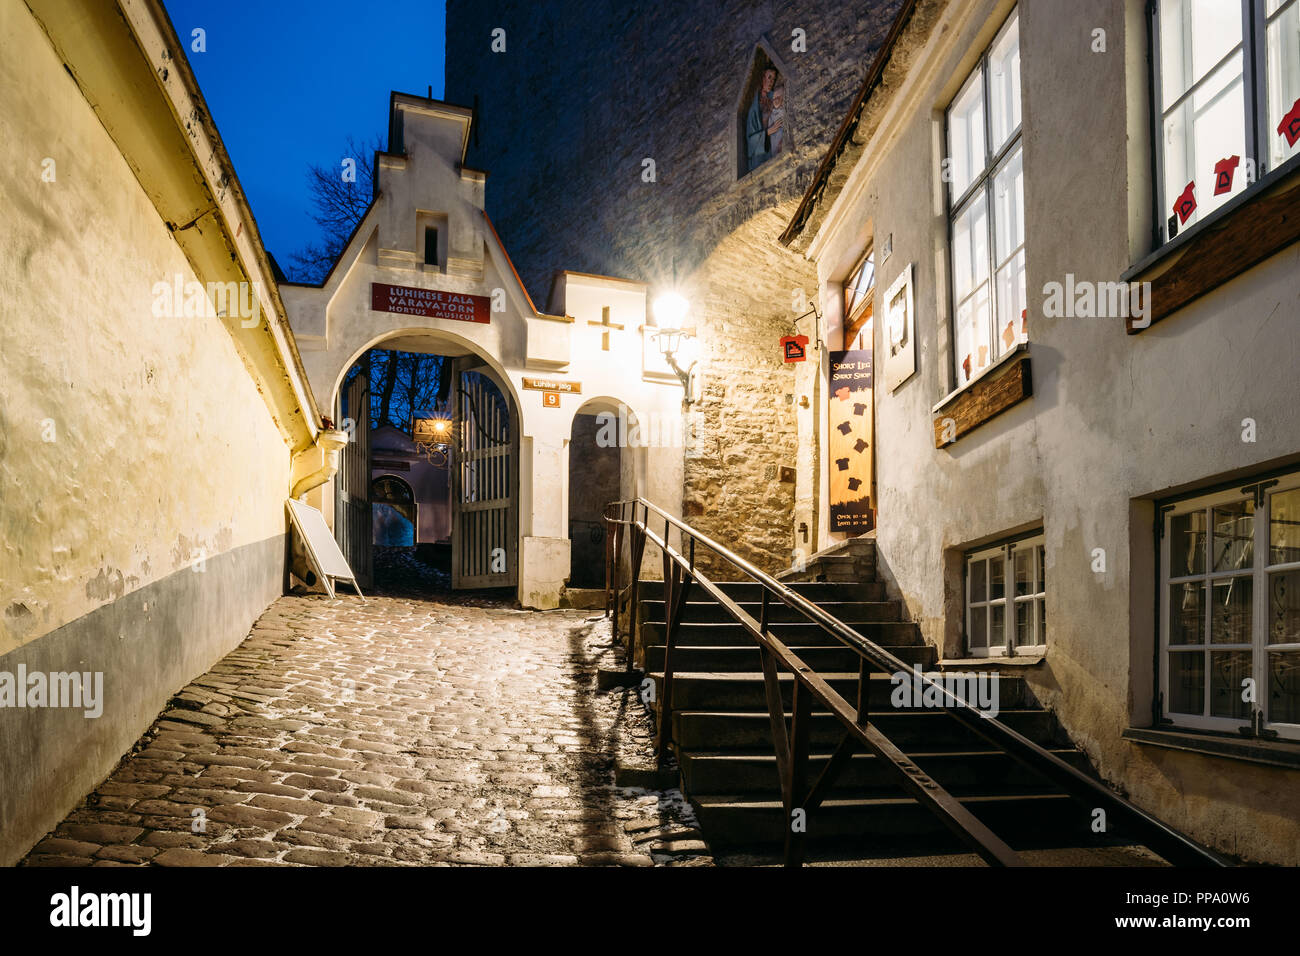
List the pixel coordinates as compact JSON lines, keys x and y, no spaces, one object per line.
{"x":427,"y":494}
{"x":395,"y":510}
{"x":602,"y":442}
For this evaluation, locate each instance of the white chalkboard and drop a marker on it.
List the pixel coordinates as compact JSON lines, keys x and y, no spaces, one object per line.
{"x":322,"y":550}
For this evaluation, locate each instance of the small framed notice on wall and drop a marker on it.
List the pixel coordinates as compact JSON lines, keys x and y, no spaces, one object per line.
{"x":900,"y":331}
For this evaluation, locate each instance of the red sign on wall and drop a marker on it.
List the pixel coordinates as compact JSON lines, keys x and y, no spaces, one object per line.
{"x":795,"y":348}
{"x":432,"y":303}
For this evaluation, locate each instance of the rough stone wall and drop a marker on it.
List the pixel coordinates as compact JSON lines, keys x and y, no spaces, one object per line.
{"x":584,"y":94}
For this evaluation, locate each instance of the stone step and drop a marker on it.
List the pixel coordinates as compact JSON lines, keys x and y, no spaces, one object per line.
{"x":836,"y":570}
{"x":737,"y":658}
{"x":752,"y":591}
{"x":714,"y":730}
{"x":858,"y":853}
{"x":851,"y":560}
{"x":711,"y":612}
{"x":1020,"y":819}
{"x":728,"y":691}
{"x":726,"y":634}
{"x":956,"y":770}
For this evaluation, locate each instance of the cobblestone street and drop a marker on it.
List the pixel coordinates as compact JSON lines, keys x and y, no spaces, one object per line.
{"x":402,"y":731}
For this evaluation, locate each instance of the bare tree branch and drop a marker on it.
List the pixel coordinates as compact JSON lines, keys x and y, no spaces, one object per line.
{"x":340,"y":196}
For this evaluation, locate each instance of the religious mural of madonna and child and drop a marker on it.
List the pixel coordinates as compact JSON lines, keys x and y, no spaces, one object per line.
{"x":766,"y":133}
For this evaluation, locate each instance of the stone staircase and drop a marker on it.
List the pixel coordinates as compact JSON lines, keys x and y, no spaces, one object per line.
{"x":847,"y":561}
{"x":722,"y":735}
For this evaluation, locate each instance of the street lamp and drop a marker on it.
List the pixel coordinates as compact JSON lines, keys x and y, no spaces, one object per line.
{"x":670,"y":314}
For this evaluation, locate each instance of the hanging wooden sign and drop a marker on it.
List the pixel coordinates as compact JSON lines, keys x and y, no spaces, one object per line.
{"x":795,"y":348}
{"x":849,"y":440}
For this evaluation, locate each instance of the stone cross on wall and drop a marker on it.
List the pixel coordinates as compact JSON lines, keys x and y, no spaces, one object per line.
{"x":607,"y":325}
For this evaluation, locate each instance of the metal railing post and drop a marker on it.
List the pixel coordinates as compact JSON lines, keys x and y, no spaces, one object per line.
{"x":663,"y":731}
{"x":864,"y":691}
{"x":796,"y":813}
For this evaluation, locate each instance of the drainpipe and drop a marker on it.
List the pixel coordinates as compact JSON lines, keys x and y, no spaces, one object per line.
{"x":328,"y":443}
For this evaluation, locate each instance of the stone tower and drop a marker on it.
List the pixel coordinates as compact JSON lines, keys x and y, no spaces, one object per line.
{"x":620,"y":140}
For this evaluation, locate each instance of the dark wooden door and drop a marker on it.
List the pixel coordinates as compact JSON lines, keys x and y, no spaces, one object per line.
{"x":353,"y":521}
{"x":484,"y":492}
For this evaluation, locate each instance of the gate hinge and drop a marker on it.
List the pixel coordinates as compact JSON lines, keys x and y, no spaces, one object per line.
{"x":1258,"y":489}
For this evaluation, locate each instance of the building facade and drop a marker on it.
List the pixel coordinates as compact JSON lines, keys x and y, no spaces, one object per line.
{"x":426,"y":271}
{"x":154,"y":416}
{"x":1086,"y":311}
{"x":653,"y":150}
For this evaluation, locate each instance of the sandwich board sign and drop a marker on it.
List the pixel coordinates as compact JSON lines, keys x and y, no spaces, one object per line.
{"x":322,"y":550}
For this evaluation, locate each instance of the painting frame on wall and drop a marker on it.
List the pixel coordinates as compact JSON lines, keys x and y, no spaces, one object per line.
{"x":898,"y":330}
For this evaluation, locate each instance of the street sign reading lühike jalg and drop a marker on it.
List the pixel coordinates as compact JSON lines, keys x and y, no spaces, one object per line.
{"x":432,"y":303}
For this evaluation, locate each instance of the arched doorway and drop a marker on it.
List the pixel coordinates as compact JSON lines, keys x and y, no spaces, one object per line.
{"x":395,"y":512}
{"x":601,"y":442}
{"x":428,"y":405}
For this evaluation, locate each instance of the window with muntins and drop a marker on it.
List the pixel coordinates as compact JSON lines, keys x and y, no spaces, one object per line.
{"x":1230,"y":611}
{"x":1006,"y":598}
{"x":859,"y":291}
{"x":1226,"y":98}
{"x":985,"y":175}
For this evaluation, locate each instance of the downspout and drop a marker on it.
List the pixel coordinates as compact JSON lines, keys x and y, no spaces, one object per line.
{"x":328,"y":443}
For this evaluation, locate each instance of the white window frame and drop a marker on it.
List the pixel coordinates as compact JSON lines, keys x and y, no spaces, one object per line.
{"x":1260,"y":134}
{"x":1005,"y":552}
{"x":1262,"y":494}
{"x":858,"y":297}
{"x":981,"y":189}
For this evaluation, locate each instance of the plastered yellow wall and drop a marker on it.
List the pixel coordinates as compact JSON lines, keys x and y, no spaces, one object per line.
{"x":131,"y":444}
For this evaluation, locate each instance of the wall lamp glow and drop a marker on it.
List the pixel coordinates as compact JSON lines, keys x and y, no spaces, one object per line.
{"x":670,"y":311}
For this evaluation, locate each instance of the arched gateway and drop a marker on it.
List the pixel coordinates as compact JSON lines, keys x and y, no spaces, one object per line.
{"x":426,"y":272}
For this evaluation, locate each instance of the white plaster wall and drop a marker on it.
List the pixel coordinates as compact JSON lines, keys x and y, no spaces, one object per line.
{"x":1113,"y":418}
{"x":163,"y":450}
{"x":335,"y":325}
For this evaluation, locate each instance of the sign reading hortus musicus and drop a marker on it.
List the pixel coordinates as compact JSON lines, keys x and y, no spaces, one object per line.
{"x":432,"y":303}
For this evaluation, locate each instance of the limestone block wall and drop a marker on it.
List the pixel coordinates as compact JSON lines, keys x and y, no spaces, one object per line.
{"x":142,"y":477}
{"x":583,"y":95}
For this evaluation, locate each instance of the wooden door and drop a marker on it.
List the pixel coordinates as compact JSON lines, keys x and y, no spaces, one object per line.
{"x":353,"y":521}
{"x":485,"y":487}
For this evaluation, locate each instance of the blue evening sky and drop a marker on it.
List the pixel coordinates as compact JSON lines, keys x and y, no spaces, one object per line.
{"x":288,"y":81}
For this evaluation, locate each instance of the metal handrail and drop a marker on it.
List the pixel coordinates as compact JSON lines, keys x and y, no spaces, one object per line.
{"x":681,"y":572}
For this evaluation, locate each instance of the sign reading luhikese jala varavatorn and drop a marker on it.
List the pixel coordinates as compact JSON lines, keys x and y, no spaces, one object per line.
{"x":431,"y":303}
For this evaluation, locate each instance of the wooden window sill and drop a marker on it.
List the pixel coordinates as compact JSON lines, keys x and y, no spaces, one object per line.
{"x":1262,"y":221}
{"x":1270,"y":752}
{"x":992,"y":663}
{"x":1005,"y":383}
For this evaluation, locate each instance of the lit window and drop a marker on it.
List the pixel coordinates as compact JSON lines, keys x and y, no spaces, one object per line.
{"x":986,"y":189}
{"x":1224,"y":117}
{"x":859,"y":291}
{"x":1230,"y":610}
{"x":1006,"y":598}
